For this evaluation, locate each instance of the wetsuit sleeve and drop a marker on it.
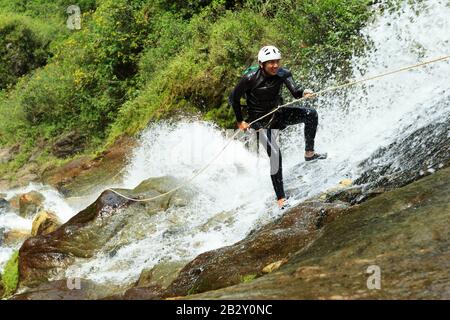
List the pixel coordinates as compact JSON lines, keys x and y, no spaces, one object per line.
{"x":295,"y":89}
{"x":235,"y":97}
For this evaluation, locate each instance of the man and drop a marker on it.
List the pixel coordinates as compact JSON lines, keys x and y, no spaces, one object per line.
{"x":262,"y":90}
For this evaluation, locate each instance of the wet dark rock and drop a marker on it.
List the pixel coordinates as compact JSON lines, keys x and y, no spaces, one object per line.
{"x":354,"y":195}
{"x":414,"y":156}
{"x":41,"y":256}
{"x":419,"y":154}
{"x":4,"y":205}
{"x":69,"y":144}
{"x":2,"y":235}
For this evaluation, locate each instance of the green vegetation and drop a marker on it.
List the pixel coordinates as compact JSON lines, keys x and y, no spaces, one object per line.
{"x":10,"y":277}
{"x":248,"y":278}
{"x":53,"y":12}
{"x":24,"y":45}
{"x":137,"y":61}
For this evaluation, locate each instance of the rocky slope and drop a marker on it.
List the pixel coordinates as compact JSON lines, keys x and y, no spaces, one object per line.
{"x":405,"y":232}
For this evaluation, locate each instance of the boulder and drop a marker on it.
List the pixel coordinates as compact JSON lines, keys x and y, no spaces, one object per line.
{"x":145,"y":293}
{"x":44,"y":223}
{"x":30,"y":203}
{"x":218,"y":221}
{"x":152,"y":282}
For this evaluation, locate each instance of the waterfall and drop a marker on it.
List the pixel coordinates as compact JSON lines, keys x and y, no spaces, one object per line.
{"x":234,"y":195}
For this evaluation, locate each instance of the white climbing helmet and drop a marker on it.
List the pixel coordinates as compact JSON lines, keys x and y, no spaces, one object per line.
{"x":268,"y":53}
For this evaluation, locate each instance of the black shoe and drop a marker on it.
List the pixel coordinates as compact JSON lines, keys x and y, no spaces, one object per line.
{"x":316,"y":156}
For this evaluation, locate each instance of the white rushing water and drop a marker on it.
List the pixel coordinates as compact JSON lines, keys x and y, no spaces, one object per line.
{"x":238,"y":182}
{"x":54,"y":202}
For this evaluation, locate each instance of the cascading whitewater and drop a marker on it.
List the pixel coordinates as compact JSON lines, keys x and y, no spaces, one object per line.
{"x":236,"y":194}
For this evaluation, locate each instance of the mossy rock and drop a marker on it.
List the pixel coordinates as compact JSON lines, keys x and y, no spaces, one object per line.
{"x":44,"y":223}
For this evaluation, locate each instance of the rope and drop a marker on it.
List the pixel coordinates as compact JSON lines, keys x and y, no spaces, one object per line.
{"x":345,"y":85}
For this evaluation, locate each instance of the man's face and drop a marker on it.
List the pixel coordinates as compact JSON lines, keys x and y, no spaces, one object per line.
{"x":271,"y":67}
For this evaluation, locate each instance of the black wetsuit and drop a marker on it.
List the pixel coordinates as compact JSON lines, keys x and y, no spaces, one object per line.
{"x":263,"y":94}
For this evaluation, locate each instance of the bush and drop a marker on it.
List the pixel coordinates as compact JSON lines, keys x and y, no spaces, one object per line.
{"x":24,"y":46}
{"x":165,"y":40}
{"x":89,"y":77}
{"x":13,"y":124}
{"x":54,"y":11}
{"x":322,"y":36}
{"x":200,"y":77}
{"x":186,"y":8}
